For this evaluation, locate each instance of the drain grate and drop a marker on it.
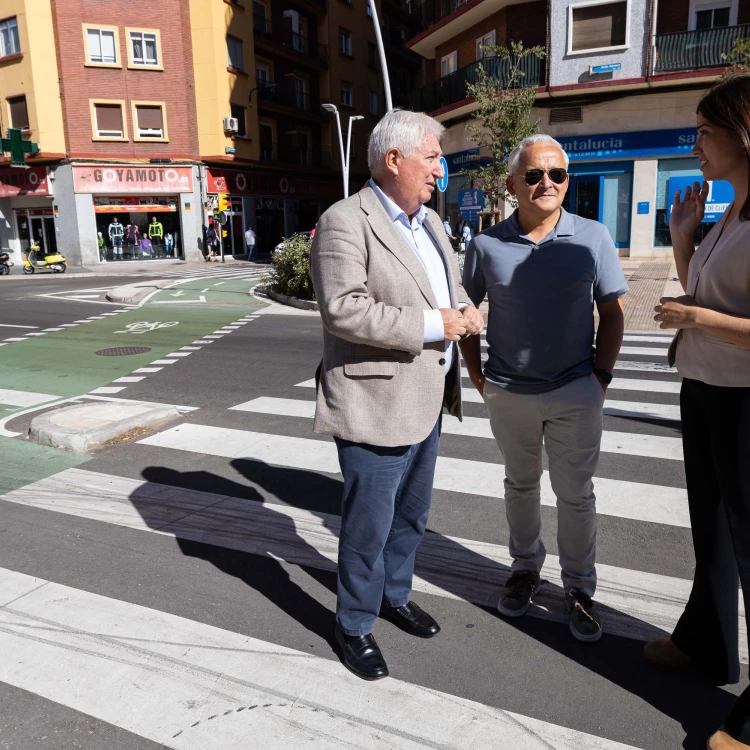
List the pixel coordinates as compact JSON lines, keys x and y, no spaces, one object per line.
{"x":123,"y":351}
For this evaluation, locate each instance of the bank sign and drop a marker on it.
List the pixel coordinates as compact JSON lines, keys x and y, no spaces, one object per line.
{"x":720,"y":195}
{"x":641,"y":143}
{"x":146,"y":180}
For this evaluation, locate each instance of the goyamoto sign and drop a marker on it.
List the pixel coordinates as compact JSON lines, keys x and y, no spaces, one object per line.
{"x":145,"y":180}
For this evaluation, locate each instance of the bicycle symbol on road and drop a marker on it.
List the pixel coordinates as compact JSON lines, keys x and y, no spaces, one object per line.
{"x":145,"y":326}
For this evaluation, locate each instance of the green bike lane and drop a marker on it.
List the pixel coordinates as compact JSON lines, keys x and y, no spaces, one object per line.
{"x":64,"y":364}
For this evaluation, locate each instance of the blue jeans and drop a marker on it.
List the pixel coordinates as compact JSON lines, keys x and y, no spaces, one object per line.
{"x":387,"y":494}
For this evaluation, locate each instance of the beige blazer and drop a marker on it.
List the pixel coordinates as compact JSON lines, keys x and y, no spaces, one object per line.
{"x":380,"y":383}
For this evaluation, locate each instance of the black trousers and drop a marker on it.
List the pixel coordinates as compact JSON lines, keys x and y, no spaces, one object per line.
{"x":716,"y":442}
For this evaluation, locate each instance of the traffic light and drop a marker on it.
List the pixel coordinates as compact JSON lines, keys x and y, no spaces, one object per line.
{"x":223,"y":203}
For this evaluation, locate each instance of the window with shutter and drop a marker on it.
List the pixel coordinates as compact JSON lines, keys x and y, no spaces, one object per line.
{"x":234,"y":50}
{"x":596,"y":27}
{"x":238,"y":112}
{"x":109,"y":121}
{"x":149,"y":121}
{"x":19,"y":115}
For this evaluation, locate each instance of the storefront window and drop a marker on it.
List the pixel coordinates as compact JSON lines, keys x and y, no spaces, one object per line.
{"x":667,"y":169}
{"x":138,"y":228}
{"x":616,"y":207}
{"x":602,"y":191}
{"x":36,"y":225}
{"x":269,"y":216}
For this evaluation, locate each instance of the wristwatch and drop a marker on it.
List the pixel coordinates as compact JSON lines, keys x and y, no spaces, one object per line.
{"x":604,"y":375}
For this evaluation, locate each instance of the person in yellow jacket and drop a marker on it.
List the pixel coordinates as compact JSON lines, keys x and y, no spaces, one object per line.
{"x":156,"y":234}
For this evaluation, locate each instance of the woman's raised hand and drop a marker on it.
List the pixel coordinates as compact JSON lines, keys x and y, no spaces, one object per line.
{"x":687,"y":212}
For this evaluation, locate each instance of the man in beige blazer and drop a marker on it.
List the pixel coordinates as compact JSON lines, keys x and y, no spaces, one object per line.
{"x":392,"y":306}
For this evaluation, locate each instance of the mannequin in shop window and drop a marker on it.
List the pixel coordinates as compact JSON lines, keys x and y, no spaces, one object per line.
{"x":169,"y":244}
{"x":131,"y":239}
{"x":116,"y":231}
{"x":102,"y":247}
{"x":156,"y":235}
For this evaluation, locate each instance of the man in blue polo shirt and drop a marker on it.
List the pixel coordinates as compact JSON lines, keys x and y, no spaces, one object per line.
{"x":543,"y":270}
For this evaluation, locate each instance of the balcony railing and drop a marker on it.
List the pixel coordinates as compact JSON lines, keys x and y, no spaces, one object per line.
{"x":287,"y":154}
{"x":692,"y":50}
{"x":452,"y":88}
{"x":287,"y":38}
{"x":429,"y":12}
{"x":289,"y":98}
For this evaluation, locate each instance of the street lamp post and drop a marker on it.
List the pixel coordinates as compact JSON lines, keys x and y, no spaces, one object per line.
{"x":328,"y":107}
{"x":383,"y":58}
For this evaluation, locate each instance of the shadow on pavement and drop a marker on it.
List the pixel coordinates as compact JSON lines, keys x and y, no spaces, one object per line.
{"x":261,"y":536}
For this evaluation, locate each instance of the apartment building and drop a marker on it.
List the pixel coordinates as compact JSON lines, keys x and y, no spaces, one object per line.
{"x":144,"y":111}
{"x":618,"y":88}
{"x":30,"y":102}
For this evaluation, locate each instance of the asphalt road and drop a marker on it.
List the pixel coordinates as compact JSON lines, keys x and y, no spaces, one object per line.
{"x":283,"y":593}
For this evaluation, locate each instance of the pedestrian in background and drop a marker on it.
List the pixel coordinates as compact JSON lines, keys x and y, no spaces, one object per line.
{"x":250,"y":242}
{"x":387,"y":284}
{"x":712,"y":353}
{"x":466,"y":235}
{"x":447,"y":227}
{"x":543,"y":269}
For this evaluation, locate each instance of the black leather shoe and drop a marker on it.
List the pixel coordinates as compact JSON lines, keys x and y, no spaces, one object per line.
{"x":362,"y":655}
{"x":411,"y":619}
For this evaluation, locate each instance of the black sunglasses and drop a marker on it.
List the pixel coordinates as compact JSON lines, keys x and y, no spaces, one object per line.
{"x":558,"y":175}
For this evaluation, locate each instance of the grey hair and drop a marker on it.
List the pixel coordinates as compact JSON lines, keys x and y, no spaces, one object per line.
{"x":403,"y":130}
{"x":515,"y":155}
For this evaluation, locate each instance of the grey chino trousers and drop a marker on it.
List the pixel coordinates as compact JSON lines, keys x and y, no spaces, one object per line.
{"x":568,"y":421}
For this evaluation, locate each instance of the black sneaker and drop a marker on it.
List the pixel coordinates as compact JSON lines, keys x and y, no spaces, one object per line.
{"x":520,"y":589}
{"x":584,"y":621}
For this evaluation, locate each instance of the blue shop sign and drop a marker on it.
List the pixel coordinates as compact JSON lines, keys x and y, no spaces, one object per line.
{"x":468,"y":159}
{"x":470,"y":203}
{"x":720,"y":195}
{"x":677,"y":142}
{"x":644,"y":207}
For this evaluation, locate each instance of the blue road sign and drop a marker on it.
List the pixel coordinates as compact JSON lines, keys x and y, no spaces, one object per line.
{"x":442,"y":184}
{"x":644,"y":207}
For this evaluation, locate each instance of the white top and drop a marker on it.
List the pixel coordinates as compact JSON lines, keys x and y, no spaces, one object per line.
{"x":719,"y":280}
{"x":447,"y":228}
{"x":420,"y":241}
{"x":249,"y":236}
{"x":466,"y":233}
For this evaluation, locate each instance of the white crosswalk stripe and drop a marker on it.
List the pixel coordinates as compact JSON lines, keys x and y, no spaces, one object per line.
{"x":217,"y":272}
{"x":615,"y":442}
{"x":109,"y":658}
{"x":166,"y":678}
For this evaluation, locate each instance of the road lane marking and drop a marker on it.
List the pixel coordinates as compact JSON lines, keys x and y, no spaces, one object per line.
{"x":129,"y":379}
{"x":163,"y":361}
{"x":8,"y":325}
{"x":633,"y":500}
{"x":147,"y":369}
{"x":24,"y":398}
{"x":107,"y":389}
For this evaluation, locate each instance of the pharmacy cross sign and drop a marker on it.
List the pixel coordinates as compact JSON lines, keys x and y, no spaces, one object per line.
{"x":17,"y":147}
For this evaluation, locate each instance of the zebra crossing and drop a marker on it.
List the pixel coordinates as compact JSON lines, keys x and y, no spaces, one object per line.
{"x":108,"y":658}
{"x":217,"y":271}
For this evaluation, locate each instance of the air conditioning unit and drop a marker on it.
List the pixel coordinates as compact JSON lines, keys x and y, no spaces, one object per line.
{"x":231,"y":125}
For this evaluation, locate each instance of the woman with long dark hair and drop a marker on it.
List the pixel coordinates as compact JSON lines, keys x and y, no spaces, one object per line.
{"x":712,"y":353}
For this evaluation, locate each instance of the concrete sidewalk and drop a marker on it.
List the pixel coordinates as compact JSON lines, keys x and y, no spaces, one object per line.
{"x":649,"y":281}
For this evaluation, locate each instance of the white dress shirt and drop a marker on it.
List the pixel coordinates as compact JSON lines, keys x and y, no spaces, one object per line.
{"x":420,"y":241}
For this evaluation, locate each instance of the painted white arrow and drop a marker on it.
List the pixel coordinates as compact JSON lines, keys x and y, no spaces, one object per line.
{"x":177,"y":294}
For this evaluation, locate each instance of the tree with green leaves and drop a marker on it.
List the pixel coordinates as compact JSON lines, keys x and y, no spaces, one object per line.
{"x":738,"y":57}
{"x":502,"y":120}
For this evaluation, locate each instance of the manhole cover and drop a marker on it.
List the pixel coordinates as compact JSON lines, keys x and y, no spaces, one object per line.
{"x":123,"y":351}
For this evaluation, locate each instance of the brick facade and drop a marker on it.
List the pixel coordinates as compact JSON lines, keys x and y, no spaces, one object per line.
{"x":174,"y":85}
{"x":525,"y":23}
